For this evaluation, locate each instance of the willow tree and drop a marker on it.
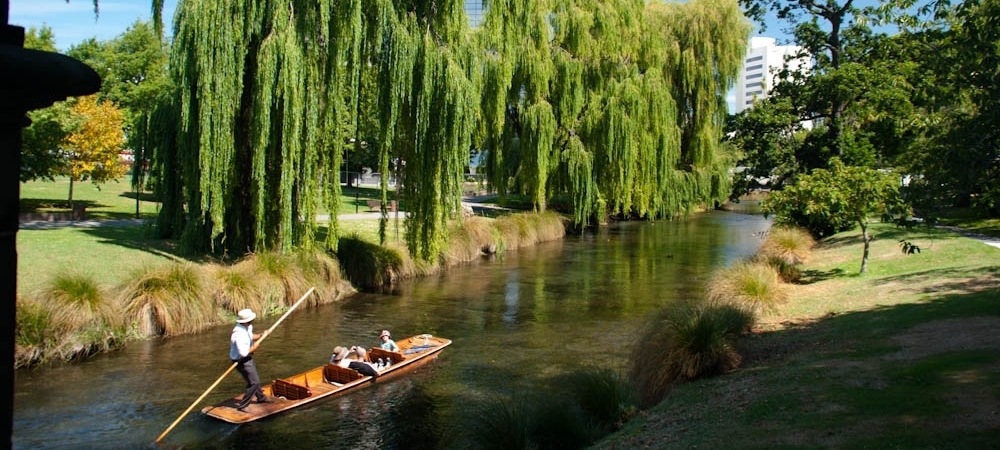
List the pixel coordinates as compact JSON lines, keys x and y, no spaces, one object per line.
{"x":269,"y":92}
{"x":615,"y":105}
{"x":429,"y":102}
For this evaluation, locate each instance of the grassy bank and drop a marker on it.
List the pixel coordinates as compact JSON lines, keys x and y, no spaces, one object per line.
{"x":904,"y":356}
{"x":85,"y":290}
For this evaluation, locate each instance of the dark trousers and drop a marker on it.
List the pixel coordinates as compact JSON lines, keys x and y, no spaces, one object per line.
{"x":247,"y":368}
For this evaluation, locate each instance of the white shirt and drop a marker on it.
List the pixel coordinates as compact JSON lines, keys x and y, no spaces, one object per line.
{"x":240,"y":341}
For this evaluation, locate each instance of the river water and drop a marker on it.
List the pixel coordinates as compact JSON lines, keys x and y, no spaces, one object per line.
{"x":516,"y":321}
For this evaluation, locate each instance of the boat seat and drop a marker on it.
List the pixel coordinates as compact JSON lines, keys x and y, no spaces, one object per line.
{"x":375,"y":353}
{"x":342,"y":375}
{"x":289,"y":390}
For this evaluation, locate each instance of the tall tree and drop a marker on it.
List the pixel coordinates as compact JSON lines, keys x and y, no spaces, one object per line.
{"x":617,"y":106}
{"x":827,"y":200}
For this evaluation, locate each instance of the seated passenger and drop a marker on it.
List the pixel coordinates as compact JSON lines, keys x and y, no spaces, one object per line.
{"x":387,"y":342}
{"x":361,"y":364}
{"x":339,"y":356}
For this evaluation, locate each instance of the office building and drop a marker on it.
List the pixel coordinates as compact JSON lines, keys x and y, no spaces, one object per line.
{"x":763,"y":62}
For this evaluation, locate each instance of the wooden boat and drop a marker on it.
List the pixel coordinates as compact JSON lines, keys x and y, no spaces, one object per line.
{"x":330,"y":381}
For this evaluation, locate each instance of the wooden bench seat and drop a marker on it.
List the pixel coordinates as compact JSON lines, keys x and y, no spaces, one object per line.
{"x":376,"y":353}
{"x":342,"y":375}
{"x":289,"y":390}
{"x":376,"y":205}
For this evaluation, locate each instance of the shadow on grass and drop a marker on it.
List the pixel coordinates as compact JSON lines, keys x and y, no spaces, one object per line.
{"x":815,"y":276}
{"x":143,"y":196}
{"x":915,"y":370}
{"x":135,"y":238}
{"x":959,"y":279}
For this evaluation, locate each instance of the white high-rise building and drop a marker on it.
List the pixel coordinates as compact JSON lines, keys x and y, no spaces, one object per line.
{"x":760,"y":69}
{"x":475,"y":10}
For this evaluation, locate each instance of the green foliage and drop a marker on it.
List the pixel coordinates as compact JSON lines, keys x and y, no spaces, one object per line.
{"x":42,"y":154}
{"x":590,"y":110}
{"x":827,"y":201}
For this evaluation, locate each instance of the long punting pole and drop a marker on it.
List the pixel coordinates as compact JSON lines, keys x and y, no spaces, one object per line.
{"x":233,"y":366}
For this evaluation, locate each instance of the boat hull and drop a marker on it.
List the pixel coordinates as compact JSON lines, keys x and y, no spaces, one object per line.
{"x":329,"y":381}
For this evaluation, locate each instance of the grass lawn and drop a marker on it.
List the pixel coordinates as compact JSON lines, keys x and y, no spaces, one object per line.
{"x":112,"y":253}
{"x":904,"y":356}
{"x":116,"y":200}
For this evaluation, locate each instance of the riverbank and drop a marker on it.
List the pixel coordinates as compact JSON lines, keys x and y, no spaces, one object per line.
{"x":84,"y":290}
{"x":904,"y":356}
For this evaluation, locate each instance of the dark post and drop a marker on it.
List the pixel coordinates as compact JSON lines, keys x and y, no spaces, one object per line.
{"x":29,"y":80}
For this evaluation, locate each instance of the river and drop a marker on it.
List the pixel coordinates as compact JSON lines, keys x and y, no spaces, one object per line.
{"x":517,"y":321}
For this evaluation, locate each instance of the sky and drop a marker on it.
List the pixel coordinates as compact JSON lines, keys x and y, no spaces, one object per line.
{"x":74,"y":21}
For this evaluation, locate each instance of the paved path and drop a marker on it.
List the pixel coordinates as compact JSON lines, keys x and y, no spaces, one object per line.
{"x":477,"y":202}
{"x":988,"y":240}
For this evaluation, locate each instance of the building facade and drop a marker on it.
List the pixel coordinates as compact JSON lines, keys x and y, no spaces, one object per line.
{"x":763,"y":61}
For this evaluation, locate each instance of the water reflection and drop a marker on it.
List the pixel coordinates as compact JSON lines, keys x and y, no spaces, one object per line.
{"x":517,"y":323}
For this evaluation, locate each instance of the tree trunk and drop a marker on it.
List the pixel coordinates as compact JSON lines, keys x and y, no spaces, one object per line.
{"x":868,"y":241}
{"x":70,"y":193}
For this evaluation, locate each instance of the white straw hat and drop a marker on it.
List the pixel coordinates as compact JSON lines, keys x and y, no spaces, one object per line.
{"x":245,"y":315}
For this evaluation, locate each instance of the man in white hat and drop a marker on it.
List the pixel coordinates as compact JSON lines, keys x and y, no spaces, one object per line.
{"x":241,"y":350}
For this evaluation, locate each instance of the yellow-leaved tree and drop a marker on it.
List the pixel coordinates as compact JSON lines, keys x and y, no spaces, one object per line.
{"x":93,"y":148}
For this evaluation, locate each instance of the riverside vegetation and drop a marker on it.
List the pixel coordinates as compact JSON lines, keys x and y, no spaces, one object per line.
{"x":78,"y":296}
{"x":808,"y":351}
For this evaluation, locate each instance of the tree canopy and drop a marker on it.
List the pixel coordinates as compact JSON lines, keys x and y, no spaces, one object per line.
{"x":616,"y":107}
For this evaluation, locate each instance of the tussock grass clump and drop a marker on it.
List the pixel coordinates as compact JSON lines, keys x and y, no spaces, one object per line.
{"x":239,"y":286}
{"x":369,"y":266}
{"x":77,"y":301}
{"x":524,"y":229}
{"x":501,"y":424}
{"x":786,"y":248}
{"x":168,"y":301}
{"x":34,"y":332}
{"x":605,"y":396}
{"x":470,"y":239}
{"x":749,"y":284}
{"x":685,"y":343}
{"x":70,"y":318}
